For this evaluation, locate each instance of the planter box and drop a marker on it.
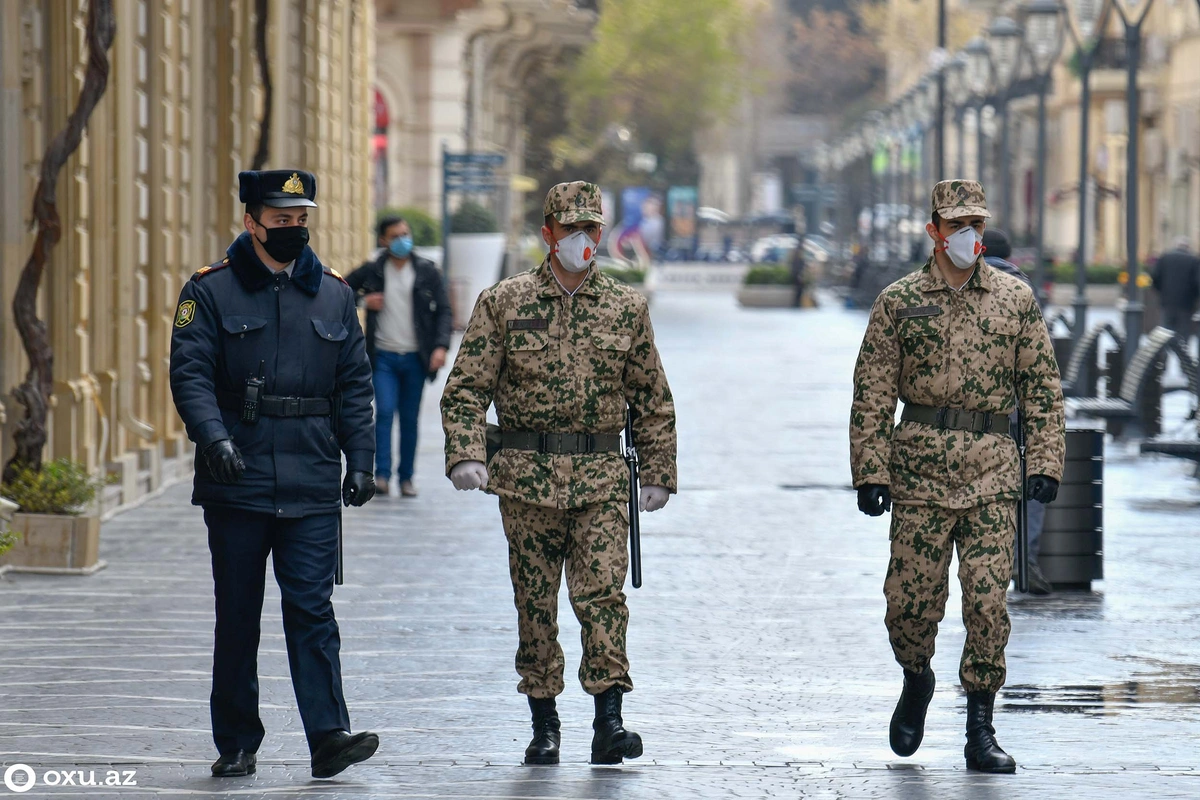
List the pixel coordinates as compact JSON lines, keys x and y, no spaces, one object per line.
{"x":54,"y":543}
{"x":766,"y":296}
{"x":475,"y":261}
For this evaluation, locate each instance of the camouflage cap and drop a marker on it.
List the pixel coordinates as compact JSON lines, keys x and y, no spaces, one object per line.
{"x":577,"y":201}
{"x":958,"y":198}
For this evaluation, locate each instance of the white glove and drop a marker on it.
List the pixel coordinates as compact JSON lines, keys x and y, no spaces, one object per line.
{"x":468,"y":475}
{"x":653,"y":498}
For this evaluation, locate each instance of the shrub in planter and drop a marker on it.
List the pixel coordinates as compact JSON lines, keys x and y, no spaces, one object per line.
{"x":426,"y":231}
{"x":473,"y":218}
{"x":61,"y":487}
{"x":629,"y":275}
{"x":768,"y":275}
{"x":7,"y":540}
{"x":50,"y":529}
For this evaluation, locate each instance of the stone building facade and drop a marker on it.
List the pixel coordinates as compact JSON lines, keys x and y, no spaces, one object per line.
{"x":151,"y":194}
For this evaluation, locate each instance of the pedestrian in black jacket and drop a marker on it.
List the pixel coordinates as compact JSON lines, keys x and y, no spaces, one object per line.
{"x":408,"y":334}
{"x":1176,"y":278}
{"x":270,"y":376}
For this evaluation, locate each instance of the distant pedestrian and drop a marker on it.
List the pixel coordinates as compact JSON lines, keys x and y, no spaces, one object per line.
{"x":962,"y":344}
{"x":1176,"y":278}
{"x":562,"y":350}
{"x":997,"y":251}
{"x":270,"y":376}
{"x":799,"y":268}
{"x":408,"y":334}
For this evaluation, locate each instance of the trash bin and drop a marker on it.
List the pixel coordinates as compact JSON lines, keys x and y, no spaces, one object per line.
{"x":1072,"y":546}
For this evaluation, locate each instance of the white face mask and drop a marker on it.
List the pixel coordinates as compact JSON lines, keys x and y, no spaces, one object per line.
{"x":964,"y":247}
{"x":576,"y":252}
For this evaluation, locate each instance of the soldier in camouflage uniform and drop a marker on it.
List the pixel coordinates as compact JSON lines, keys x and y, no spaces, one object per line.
{"x":960,"y":342}
{"x":563,"y":350}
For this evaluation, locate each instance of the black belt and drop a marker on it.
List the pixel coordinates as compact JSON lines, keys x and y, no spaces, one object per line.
{"x":956,"y":419}
{"x":561,"y":443}
{"x":275,"y":406}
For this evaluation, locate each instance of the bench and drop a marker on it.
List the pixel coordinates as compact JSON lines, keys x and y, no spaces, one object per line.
{"x":1176,"y":448}
{"x":1081,"y":375}
{"x":1127,"y":408}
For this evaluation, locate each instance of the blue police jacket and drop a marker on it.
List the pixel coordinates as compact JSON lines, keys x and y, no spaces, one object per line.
{"x":238,"y":314}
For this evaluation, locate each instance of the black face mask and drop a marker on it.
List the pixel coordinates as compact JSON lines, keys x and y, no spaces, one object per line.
{"x":285,"y":244}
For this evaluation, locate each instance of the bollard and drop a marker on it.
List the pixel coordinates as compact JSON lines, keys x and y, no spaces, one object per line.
{"x":1062,"y":351}
{"x":1072,"y":545}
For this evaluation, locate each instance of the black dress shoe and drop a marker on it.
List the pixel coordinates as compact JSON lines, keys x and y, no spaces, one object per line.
{"x":908,"y":720}
{"x":234,"y":765}
{"x":611,"y":743}
{"x":340,"y":749}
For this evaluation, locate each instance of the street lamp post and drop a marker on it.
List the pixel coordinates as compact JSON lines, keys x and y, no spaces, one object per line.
{"x":978,"y":77}
{"x":1004,"y":41}
{"x":1086,"y":22}
{"x":956,"y":86}
{"x":1133,"y":14}
{"x":1044,"y":39}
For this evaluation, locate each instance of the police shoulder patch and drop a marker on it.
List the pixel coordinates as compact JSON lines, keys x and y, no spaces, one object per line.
{"x":336,"y":274}
{"x":185,"y":314}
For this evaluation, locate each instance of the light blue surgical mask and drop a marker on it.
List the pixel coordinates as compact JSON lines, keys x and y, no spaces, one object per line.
{"x":401,"y":246}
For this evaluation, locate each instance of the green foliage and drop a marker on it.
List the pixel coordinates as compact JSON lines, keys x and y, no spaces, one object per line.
{"x":473,"y":218}
{"x":426,"y":231}
{"x":630,"y":275}
{"x":663,"y":68}
{"x":1097,"y":274}
{"x":61,"y":487}
{"x":768,"y":275}
{"x":7,"y":540}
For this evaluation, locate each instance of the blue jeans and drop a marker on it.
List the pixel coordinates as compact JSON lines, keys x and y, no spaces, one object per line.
{"x":399,"y":381}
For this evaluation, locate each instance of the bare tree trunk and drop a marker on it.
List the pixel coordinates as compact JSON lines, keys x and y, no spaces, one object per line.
{"x":34,"y":393}
{"x":264,"y":70}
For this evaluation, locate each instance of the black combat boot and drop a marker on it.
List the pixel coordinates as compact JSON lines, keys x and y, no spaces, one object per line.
{"x":543,"y":748}
{"x":982,"y":752}
{"x":908,"y":720}
{"x":612,"y":743}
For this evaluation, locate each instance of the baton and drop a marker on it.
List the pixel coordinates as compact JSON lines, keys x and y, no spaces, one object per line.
{"x":1021,"y":574}
{"x":635,"y":527}
{"x":337,"y":571}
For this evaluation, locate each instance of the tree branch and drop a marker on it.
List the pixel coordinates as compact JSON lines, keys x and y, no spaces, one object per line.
{"x":264,"y":70}
{"x":34,"y":393}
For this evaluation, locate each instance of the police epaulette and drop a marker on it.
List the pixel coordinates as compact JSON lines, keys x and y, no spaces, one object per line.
{"x":335,"y":273}
{"x":200,"y":273}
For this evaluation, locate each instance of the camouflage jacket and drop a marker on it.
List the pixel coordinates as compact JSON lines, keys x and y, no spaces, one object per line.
{"x":555,"y":363}
{"x":982,"y":349}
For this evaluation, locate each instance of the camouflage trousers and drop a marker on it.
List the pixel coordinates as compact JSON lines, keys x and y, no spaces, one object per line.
{"x":918,"y":584}
{"x":591,"y":542}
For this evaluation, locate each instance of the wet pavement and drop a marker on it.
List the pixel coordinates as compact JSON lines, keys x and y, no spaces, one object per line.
{"x":759,"y":653}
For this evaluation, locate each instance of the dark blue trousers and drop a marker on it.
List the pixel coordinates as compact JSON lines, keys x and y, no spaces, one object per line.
{"x":305,"y":553}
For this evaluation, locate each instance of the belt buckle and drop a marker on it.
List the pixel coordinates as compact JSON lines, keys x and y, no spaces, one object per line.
{"x":987,"y":422}
{"x":291,"y":406}
{"x":940,"y":421}
{"x":544,"y":440}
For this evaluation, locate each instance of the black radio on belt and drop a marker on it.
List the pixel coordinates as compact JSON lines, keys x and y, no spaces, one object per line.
{"x":253,"y":395}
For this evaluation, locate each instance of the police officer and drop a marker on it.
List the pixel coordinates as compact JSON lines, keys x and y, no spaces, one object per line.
{"x":270,"y":376}
{"x":957,"y":340}
{"x":563,"y":350}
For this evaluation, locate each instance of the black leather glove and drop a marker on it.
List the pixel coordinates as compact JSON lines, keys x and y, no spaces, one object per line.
{"x":224,"y":461}
{"x":874,"y":499}
{"x":1041,"y":488}
{"x":358,"y":488}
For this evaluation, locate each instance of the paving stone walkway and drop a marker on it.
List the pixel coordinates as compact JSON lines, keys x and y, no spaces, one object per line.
{"x":760,"y":658}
